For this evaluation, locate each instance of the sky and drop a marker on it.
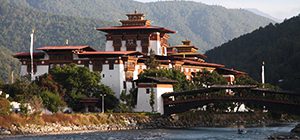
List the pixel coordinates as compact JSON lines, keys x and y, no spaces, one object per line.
{"x":280,"y":9}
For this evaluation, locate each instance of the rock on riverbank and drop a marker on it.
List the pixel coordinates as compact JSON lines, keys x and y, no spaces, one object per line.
{"x":294,"y":135}
{"x":70,"y":123}
{"x":296,"y":129}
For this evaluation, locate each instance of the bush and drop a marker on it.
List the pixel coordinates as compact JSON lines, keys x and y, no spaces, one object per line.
{"x":174,"y":74}
{"x":4,"y":106}
{"x":52,"y":101}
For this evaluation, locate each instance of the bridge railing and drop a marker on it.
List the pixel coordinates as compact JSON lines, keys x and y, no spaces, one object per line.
{"x":239,"y":95}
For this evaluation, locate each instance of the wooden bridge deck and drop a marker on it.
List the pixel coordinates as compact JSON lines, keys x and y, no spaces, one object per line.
{"x":183,"y":101}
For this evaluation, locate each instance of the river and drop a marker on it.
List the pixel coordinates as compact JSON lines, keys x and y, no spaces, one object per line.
{"x":203,"y":133}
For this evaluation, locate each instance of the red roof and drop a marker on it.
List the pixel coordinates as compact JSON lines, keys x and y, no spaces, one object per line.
{"x":203,"y":63}
{"x":62,"y":47}
{"x":24,"y":54}
{"x":230,"y":71}
{"x":164,"y":61}
{"x":187,"y":54}
{"x":110,"y":53}
{"x":162,"y":29}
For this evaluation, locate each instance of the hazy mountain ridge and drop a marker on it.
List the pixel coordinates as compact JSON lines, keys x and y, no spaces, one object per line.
{"x":258,"y":12}
{"x":57,"y":20}
{"x":278,"y":45}
{"x":207,"y":26}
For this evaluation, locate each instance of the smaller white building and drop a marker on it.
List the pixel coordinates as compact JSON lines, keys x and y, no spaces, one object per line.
{"x":157,"y":87}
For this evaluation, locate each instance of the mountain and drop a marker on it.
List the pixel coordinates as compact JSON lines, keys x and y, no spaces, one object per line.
{"x":278,"y":45}
{"x":207,"y":26}
{"x":8,"y":65}
{"x":258,"y":12}
{"x":57,"y":20}
{"x":17,"y":21}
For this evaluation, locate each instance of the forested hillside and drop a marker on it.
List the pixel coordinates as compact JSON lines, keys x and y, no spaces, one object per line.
{"x":8,"y":65}
{"x":207,"y":26}
{"x":278,"y":45}
{"x":16,"y":23}
{"x":57,"y":20}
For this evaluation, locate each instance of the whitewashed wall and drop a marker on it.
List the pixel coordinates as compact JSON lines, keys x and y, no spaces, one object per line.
{"x":114,"y":78}
{"x":143,"y":99}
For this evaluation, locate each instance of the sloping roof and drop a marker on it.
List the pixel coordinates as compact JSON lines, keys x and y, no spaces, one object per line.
{"x":110,"y":53}
{"x":161,"y":80}
{"x":63,"y":47}
{"x":188,"y":54}
{"x":162,"y":29}
{"x":230,"y":71}
{"x":202,"y":64}
{"x":184,"y":46}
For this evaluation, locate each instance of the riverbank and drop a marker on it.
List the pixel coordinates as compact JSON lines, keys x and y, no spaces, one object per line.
{"x":37,"y":124}
{"x":293,"y":135}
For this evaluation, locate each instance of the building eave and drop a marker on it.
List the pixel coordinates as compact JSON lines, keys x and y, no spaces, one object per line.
{"x":116,"y":28}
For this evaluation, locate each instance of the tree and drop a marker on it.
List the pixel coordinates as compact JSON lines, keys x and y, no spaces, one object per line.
{"x":245,"y":80}
{"x":4,"y":106}
{"x":47,"y":83}
{"x":152,"y":100}
{"x":151,"y":61}
{"x":207,"y":78}
{"x":78,"y":82}
{"x":182,"y":83}
{"x":111,"y":102}
{"x":129,"y":100}
{"x":22,"y":90}
{"x":52,"y":101}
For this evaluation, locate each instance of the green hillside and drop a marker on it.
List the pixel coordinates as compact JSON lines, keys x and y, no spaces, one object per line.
{"x":16,"y":23}
{"x":8,"y":65}
{"x":207,"y":26}
{"x":58,"y":20}
{"x":278,"y":45}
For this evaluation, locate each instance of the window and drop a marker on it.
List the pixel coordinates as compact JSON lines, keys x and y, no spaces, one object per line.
{"x":145,"y":49}
{"x":97,"y":66}
{"x":147,"y":90}
{"x":103,"y":75}
{"x":86,"y":65}
{"x":124,"y":85}
{"x":111,"y":65}
{"x":131,"y":45}
{"x":133,"y":85}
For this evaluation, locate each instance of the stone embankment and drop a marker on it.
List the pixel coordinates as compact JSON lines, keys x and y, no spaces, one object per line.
{"x":294,"y":135}
{"x":296,"y":129}
{"x":72,"y":123}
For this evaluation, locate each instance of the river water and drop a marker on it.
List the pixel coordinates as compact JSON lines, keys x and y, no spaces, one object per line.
{"x":202,"y":133}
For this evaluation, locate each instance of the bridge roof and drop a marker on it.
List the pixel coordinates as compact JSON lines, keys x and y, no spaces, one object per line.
{"x":209,"y":89}
{"x":276,"y":92}
{"x":220,"y":87}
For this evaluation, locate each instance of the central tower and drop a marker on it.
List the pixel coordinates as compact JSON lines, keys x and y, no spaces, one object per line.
{"x":137,"y":34}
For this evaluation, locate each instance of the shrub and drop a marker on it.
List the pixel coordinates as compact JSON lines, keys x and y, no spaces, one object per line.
{"x":52,"y":101}
{"x":4,"y":106}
